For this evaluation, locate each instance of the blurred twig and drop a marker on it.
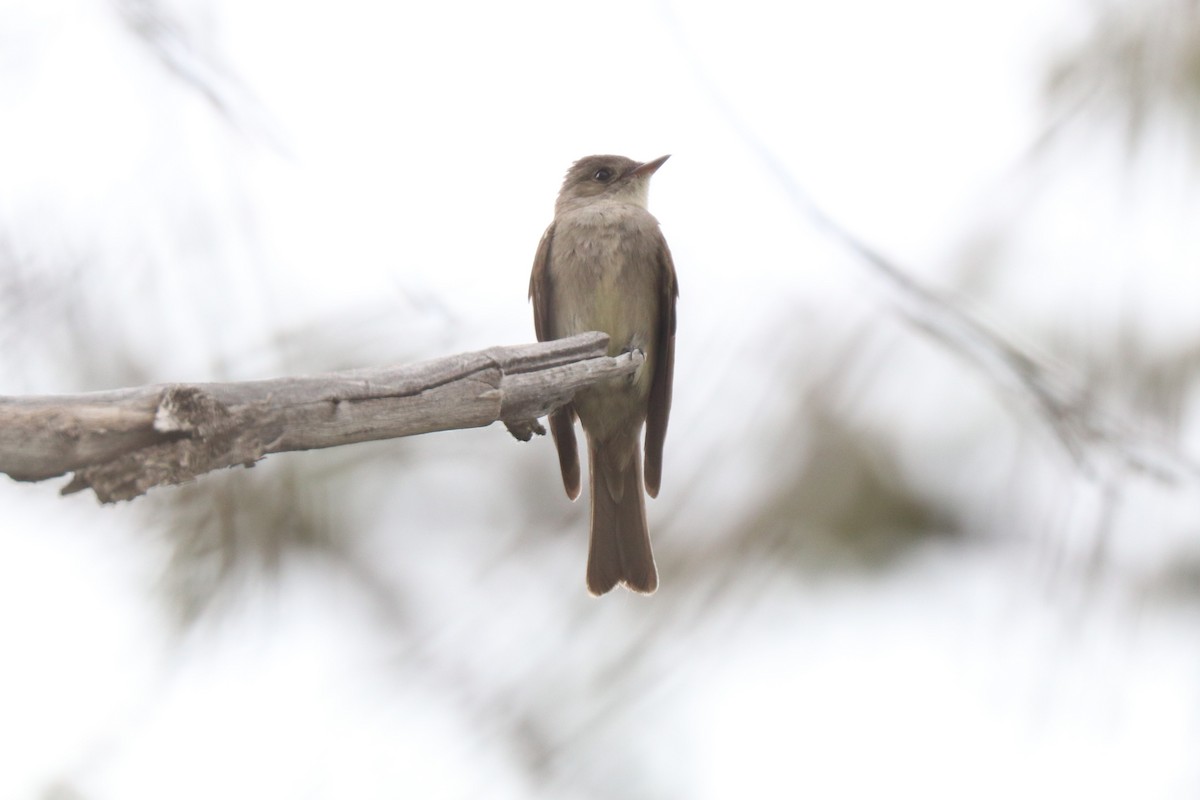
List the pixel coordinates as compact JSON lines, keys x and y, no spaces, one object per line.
{"x":1059,"y":396}
{"x":174,"y":45}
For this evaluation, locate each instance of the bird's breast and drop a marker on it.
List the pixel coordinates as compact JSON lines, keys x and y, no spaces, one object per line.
{"x":604,"y":272}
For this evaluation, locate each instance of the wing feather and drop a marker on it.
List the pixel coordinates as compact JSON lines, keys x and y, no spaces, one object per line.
{"x":562,"y":421}
{"x":664,"y":368}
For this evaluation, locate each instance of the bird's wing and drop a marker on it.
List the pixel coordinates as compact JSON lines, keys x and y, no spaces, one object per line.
{"x":539,"y":286}
{"x":562,"y":421}
{"x":664,"y":367}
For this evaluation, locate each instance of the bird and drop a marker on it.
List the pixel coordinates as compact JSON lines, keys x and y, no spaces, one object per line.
{"x":604,"y":265}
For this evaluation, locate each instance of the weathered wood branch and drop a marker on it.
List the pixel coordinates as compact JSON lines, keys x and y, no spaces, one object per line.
{"x":122,"y":443}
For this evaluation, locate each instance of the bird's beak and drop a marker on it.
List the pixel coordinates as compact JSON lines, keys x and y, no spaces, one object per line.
{"x":649,"y":168}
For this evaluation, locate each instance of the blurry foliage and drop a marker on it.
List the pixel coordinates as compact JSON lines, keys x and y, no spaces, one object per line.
{"x":844,"y":504}
{"x":1138,"y":65}
{"x":230,"y":531}
{"x":1146,"y":382}
{"x":238,"y":526}
{"x":1177,"y":582}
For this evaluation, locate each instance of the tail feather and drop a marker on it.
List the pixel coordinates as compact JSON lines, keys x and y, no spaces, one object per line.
{"x":619,"y":548}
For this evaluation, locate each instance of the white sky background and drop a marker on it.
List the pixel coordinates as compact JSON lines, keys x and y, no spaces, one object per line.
{"x":385,"y":172}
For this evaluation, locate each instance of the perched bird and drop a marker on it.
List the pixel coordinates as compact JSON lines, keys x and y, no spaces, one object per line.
{"x":603,"y":265}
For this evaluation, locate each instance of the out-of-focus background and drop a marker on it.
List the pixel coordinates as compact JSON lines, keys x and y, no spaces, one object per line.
{"x":930,"y":519}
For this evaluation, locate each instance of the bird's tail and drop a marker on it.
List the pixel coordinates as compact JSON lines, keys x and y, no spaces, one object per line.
{"x":619,"y":549}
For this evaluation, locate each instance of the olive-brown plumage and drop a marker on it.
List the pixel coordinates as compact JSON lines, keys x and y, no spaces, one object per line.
{"x":603,"y":265}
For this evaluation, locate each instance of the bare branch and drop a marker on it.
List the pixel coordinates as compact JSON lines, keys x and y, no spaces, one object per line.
{"x":121,"y":443}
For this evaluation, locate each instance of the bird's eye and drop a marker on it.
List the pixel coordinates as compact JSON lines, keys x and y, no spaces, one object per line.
{"x":603,"y":175}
